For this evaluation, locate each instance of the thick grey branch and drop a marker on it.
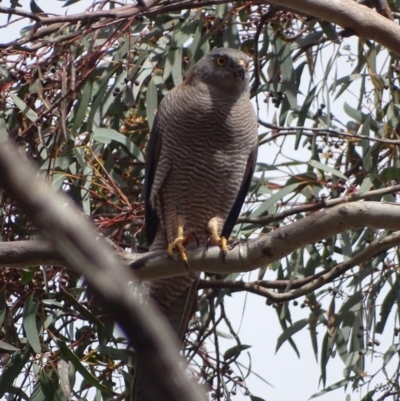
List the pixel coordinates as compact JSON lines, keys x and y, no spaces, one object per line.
{"x":299,"y":287}
{"x":83,"y":250}
{"x":255,"y":253}
{"x":383,"y":8}
{"x":366,"y":23}
{"x":244,"y":256}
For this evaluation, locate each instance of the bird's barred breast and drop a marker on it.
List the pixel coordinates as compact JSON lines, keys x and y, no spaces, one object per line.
{"x":207,"y":163}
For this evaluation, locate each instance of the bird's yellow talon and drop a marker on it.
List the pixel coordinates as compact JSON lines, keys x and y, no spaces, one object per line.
{"x":215,"y":238}
{"x":178,"y":245}
{"x":223,"y":244}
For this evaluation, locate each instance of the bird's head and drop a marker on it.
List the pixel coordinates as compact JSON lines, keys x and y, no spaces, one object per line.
{"x":224,"y":69}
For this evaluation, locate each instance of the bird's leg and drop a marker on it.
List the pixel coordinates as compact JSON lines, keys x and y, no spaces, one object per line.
{"x":215,"y":237}
{"x":179,"y":240}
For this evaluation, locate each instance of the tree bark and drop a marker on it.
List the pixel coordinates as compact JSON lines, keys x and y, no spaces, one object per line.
{"x":243,"y":256}
{"x":365,"y":22}
{"x":82,"y":250}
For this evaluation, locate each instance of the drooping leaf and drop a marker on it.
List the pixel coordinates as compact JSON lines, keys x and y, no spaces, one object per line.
{"x":13,"y":369}
{"x":151,"y":102}
{"x":106,"y":135}
{"x":272,"y":200}
{"x":290,"y":331}
{"x":335,"y":386}
{"x":63,"y":374}
{"x":70,"y":356}
{"x":235,"y":351}
{"x":7,"y":347}
{"x":35,"y":8}
{"x":26,"y":110}
{"x":30,"y":325}
{"x":321,"y":166}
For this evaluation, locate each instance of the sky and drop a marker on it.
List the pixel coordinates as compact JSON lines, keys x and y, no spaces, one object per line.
{"x":291,"y":378}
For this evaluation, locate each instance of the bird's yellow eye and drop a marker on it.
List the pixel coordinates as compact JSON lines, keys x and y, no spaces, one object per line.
{"x":221,"y":61}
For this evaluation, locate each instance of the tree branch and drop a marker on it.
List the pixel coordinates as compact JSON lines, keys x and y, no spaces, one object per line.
{"x":243,"y":256}
{"x":299,"y":287}
{"x":77,"y":244}
{"x":383,"y":8}
{"x":264,"y":220}
{"x":285,"y":131}
{"x":366,"y":23}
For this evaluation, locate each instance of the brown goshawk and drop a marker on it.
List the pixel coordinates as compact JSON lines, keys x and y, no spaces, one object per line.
{"x":200,"y":160}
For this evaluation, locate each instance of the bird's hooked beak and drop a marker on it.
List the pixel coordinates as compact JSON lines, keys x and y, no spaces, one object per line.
{"x":241,"y":68}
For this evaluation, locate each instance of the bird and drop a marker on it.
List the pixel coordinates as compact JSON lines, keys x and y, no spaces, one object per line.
{"x":200,"y":160}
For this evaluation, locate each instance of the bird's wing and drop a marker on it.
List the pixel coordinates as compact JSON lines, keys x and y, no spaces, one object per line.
{"x":241,"y":195}
{"x":152,"y":155}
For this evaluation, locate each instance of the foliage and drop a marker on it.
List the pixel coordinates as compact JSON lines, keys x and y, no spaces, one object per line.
{"x":79,"y":100}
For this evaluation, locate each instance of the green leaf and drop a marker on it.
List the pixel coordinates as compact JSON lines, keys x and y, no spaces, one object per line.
{"x":26,"y":110}
{"x":390,"y":174}
{"x":70,"y":356}
{"x":308,"y":178}
{"x":27,"y":275}
{"x":254,"y":398}
{"x":286,"y":65}
{"x":351,"y":364}
{"x":13,"y":369}
{"x":151,"y":102}
{"x":35,"y":8}
{"x":3,"y":307}
{"x":230,"y":36}
{"x":361,"y":117}
{"x":272,"y":200}
{"x":30,"y":324}
{"x":80,"y":308}
{"x":314,"y":341}
{"x":329,"y":30}
{"x":352,"y":302}
{"x":290,"y":331}
{"x":50,"y":387}
{"x":63,"y":374}
{"x":106,"y":135}
{"x":320,"y":166}
{"x":392,"y":350}
{"x":177,"y":67}
{"x":235,"y":351}
{"x":99,"y":98}
{"x":81,"y":107}
{"x":37,"y":393}
{"x":305,"y":108}
{"x":340,"y":340}
{"x":340,"y":383}
{"x":7,"y":347}
{"x":386,"y":307}
{"x":325,"y":354}
{"x":224,"y":335}
{"x":70,"y":2}
{"x":124,"y":355}
{"x":18,"y":393}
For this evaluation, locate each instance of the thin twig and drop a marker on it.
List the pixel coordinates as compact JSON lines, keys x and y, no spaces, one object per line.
{"x":319,"y":280}
{"x":319,"y":205}
{"x":284,"y":131}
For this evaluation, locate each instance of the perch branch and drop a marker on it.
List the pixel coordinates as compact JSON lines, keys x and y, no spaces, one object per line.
{"x":300,"y":287}
{"x":243,"y":256}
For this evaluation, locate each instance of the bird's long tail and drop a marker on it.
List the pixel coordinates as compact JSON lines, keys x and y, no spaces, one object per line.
{"x":178,"y":313}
